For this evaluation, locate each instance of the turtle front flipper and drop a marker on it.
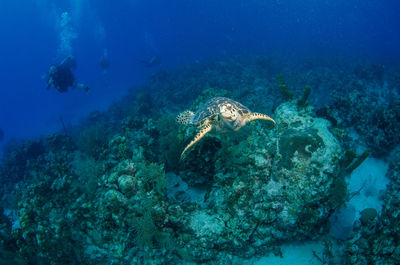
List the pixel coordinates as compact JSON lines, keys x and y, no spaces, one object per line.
{"x":206,"y":129}
{"x":259,"y":116}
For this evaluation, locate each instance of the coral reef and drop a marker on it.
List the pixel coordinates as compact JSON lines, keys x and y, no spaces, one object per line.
{"x":274,"y":186}
{"x":376,"y":237}
{"x":372,"y":109}
{"x":113,"y":191}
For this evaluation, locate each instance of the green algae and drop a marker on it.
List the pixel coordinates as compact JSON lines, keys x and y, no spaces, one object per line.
{"x":303,"y":100}
{"x":284,"y":89}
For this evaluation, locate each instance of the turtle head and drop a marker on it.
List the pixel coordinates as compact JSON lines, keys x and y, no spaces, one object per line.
{"x":231,"y":118}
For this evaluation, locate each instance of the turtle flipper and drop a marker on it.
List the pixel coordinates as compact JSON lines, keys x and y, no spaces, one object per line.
{"x":259,"y":116}
{"x":184,"y":117}
{"x":206,"y":129}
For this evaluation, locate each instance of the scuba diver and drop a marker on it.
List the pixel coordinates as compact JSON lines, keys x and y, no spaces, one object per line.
{"x":61,"y":77}
{"x":153,"y":61}
{"x":104,"y":61}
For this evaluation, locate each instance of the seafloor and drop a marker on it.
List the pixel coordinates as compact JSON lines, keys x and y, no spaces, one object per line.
{"x":113,"y":190}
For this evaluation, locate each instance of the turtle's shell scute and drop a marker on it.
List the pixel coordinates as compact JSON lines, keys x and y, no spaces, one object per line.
{"x":213,"y":107}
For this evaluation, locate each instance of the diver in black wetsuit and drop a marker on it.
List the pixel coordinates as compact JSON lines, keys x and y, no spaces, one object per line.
{"x":61,"y":77}
{"x":153,"y":61}
{"x":104,"y":61}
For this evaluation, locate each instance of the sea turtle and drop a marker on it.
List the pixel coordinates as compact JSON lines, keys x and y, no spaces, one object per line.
{"x":221,"y":114}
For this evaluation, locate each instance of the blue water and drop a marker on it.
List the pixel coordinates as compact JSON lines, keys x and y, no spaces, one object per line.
{"x":180,"y":32}
{"x":143,"y":38}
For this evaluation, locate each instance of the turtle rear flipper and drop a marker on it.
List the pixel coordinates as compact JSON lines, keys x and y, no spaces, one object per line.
{"x":184,"y":117}
{"x":206,"y":129}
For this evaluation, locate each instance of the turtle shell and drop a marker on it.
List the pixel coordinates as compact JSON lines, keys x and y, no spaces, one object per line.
{"x":212,"y":108}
